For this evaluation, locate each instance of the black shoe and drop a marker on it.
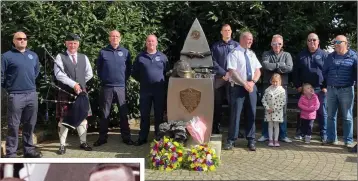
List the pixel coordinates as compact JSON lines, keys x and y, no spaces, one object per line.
{"x":128,"y":141}
{"x":99,"y":142}
{"x":140,"y":142}
{"x":229,"y":146}
{"x":86,"y":147}
{"x":34,"y":154}
{"x":61,"y":150}
{"x":251,"y":146}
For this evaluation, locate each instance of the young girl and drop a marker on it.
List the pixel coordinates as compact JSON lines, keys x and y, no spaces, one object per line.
{"x":274,"y":101}
{"x":308,"y":104}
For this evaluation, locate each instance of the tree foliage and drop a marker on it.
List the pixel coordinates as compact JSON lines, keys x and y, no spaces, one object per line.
{"x":47,"y":23}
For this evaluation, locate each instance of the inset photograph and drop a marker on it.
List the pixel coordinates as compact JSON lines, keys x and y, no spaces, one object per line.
{"x":71,"y":171}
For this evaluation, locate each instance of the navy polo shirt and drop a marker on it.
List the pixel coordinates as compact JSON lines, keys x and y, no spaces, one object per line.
{"x":149,"y":70}
{"x":114,"y":66}
{"x":219,"y":51}
{"x":19,"y":71}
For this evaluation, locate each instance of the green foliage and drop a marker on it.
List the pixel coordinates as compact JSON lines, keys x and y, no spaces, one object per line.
{"x":48,"y":22}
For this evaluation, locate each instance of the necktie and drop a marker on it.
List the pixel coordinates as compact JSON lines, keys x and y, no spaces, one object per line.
{"x":74,"y":59}
{"x":248,"y":67}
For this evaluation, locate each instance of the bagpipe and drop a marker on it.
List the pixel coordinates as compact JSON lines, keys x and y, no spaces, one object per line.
{"x":79,"y":104}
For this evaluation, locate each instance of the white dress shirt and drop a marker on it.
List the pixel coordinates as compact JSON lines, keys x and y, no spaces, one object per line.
{"x":236,"y":61}
{"x":63,"y":77}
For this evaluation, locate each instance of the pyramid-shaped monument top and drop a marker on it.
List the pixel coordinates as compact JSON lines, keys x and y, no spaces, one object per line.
{"x":196,"y":49}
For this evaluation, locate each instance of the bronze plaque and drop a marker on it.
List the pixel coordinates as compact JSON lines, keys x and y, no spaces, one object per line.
{"x":195,"y":34}
{"x":190,"y":98}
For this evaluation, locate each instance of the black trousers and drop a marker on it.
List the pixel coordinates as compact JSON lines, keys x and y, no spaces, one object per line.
{"x":107,"y":95}
{"x":147,"y":99}
{"x":306,"y":127}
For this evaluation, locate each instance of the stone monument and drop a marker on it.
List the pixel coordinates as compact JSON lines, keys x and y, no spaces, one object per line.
{"x":191,"y":87}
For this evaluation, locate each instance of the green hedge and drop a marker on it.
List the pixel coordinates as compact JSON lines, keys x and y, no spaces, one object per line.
{"x":49,"y":22}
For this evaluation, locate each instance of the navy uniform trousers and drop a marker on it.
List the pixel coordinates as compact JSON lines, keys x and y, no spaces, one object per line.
{"x":22,"y":108}
{"x":147,"y":98}
{"x":220,"y":95}
{"x":240,"y":100}
{"x":118,"y":94}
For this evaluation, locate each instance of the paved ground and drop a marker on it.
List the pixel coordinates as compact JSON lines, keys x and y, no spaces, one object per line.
{"x":291,"y":161}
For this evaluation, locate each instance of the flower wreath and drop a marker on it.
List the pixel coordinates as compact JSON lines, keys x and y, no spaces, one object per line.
{"x":166,"y":154}
{"x":202,"y":158}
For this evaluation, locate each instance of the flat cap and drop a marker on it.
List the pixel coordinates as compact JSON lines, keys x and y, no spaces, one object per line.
{"x":72,"y":37}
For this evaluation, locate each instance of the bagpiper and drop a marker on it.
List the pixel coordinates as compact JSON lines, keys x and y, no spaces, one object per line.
{"x":72,"y":71}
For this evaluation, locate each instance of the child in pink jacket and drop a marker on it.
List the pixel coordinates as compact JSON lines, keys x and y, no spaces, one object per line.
{"x":308,"y":105}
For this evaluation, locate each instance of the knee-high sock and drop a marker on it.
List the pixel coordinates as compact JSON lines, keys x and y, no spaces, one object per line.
{"x":63,"y":131}
{"x":270,"y":129}
{"x":82,"y":131}
{"x":277,"y":130}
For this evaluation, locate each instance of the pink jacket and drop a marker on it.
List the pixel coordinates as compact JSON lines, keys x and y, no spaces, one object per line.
{"x":308,"y":107}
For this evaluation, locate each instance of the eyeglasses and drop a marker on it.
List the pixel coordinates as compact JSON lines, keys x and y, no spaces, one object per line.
{"x":19,"y":39}
{"x":276,"y":44}
{"x":337,"y":42}
{"x":312,"y":40}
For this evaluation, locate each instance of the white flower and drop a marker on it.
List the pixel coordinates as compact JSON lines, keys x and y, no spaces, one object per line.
{"x":208,"y":157}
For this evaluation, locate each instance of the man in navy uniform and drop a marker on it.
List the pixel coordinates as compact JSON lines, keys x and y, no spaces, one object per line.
{"x":114,"y":68}
{"x":149,"y":70}
{"x":244,"y":68}
{"x":19,"y":70}
{"x":308,"y":69}
{"x":72,"y":71}
{"x":220,"y":50}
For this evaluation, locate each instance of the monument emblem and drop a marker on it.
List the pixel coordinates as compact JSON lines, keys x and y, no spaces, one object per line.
{"x":195,"y":34}
{"x":190,"y":99}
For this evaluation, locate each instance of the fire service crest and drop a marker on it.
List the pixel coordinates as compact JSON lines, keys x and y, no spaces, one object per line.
{"x":190,"y":98}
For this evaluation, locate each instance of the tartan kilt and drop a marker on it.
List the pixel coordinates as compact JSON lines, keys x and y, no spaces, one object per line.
{"x":63,"y":108}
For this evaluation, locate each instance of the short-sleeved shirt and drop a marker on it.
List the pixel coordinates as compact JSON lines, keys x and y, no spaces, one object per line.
{"x":236,"y":61}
